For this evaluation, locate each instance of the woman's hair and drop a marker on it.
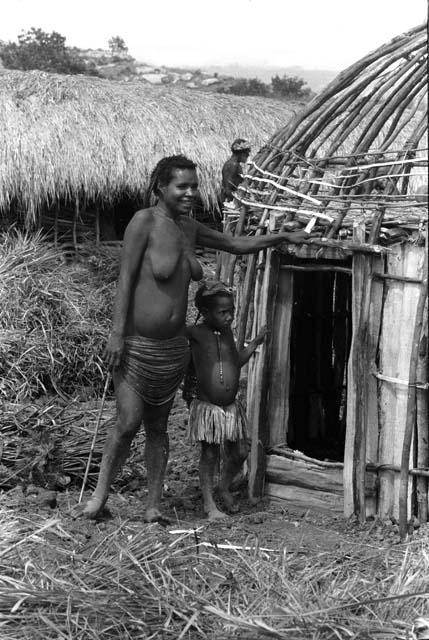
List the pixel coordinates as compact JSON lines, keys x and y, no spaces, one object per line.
{"x":163,"y":173}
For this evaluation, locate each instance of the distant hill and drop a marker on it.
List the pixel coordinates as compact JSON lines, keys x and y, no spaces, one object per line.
{"x":316,"y":79}
{"x":123,"y":67}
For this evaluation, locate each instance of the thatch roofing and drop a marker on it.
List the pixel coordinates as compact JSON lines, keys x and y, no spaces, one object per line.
{"x":357,"y":150}
{"x":76,"y":136}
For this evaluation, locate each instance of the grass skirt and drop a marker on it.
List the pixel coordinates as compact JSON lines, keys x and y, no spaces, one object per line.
{"x":215,"y":424}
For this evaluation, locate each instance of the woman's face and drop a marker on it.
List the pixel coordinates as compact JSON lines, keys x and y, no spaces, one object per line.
{"x":180,"y":193}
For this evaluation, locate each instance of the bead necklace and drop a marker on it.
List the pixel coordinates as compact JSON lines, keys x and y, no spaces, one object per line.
{"x":219,"y":355}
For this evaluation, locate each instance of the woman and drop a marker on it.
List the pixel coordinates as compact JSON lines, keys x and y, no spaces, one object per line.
{"x":147,"y":348}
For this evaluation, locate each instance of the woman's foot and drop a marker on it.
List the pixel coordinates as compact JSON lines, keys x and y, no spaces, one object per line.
{"x":214,"y":515}
{"x":228,"y":500}
{"x":154,"y":515}
{"x":92,"y":509}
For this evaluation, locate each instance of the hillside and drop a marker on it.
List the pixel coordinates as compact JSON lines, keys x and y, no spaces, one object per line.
{"x":123,"y":67}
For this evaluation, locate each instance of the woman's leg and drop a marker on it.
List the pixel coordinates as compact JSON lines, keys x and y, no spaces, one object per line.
{"x":129,"y":417}
{"x":157,"y":449}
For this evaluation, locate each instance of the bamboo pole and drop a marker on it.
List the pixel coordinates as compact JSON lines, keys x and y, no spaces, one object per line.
{"x":411,"y":406}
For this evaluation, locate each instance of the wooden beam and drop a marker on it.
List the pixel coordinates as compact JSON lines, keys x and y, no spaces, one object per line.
{"x":315,"y":267}
{"x":398,"y":278}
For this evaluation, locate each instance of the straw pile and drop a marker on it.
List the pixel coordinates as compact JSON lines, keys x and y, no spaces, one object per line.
{"x":76,"y":137}
{"x":54,"y":319}
{"x":58,"y":580}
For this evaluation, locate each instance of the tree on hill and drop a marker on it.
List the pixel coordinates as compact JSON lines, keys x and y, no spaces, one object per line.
{"x":247,"y":87}
{"x":289,"y":87}
{"x":117,"y":46}
{"x":37,"y":49}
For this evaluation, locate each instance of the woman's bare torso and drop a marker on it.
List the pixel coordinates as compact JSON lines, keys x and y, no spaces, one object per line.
{"x":217,"y":377}
{"x":159,"y":293}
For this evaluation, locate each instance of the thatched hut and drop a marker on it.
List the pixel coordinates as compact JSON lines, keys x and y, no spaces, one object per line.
{"x":76,"y":152}
{"x":337,"y":399}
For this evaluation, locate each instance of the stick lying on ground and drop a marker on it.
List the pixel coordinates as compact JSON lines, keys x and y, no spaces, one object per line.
{"x":94,"y":439}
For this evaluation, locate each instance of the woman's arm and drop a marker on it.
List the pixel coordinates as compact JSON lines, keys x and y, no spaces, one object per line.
{"x":212,"y":239}
{"x":134,"y":246}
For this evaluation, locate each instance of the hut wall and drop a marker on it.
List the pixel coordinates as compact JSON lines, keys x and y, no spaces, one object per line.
{"x":399,"y":314}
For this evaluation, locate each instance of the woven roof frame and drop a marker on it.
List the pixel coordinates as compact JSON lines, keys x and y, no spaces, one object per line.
{"x":357,"y":151}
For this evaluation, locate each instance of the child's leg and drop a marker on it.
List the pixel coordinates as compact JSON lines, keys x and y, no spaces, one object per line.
{"x":209,"y":457}
{"x":235,"y":454}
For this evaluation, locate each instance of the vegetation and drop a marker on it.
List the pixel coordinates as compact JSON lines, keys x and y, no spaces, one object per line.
{"x":285,"y":87}
{"x":117,"y":46}
{"x":37,"y":49}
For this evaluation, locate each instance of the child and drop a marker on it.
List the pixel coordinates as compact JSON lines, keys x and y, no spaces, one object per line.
{"x":217,"y":419}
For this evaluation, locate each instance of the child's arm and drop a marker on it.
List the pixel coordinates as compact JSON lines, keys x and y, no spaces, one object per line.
{"x":244,"y":354}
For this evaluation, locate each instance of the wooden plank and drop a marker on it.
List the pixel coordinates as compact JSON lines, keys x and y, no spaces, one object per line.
{"x":422,"y":423}
{"x":304,"y":474}
{"x":355,"y":447}
{"x":374,"y":323}
{"x":302,"y":498}
{"x":279,"y":374}
{"x":394,"y":361}
{"x":411,"y":409}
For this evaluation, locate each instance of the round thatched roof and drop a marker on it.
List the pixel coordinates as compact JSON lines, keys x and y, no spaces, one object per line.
{"x":76,"y":136}
{"x":358,"y":150}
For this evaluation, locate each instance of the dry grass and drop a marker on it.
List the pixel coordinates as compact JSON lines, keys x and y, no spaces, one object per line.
{"x":137,"y":581}
{"x":74,"y":137}
{"x":54,"y":318}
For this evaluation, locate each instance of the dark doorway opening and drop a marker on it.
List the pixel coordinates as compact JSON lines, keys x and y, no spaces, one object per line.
{"x":320,"y":346}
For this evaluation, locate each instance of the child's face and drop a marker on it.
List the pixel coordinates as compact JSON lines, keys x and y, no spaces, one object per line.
{"x":220,"y":314}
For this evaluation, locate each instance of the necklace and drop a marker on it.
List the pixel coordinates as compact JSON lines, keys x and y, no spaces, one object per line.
{"x":219,"y":355}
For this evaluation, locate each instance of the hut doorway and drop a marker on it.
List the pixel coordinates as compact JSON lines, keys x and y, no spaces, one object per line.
{"x":320,"y":331}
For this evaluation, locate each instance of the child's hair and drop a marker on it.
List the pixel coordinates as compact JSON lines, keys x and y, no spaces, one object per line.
{"x":208,"y":290}
{"x":163,"y":172}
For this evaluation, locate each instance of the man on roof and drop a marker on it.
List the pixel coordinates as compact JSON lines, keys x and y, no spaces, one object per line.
{"x":232,"y":170}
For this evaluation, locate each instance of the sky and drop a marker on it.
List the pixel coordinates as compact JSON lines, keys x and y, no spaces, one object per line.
{"x":315,"y":34}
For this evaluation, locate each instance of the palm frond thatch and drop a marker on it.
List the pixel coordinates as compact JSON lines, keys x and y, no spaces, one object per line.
{"x":71,"y":137}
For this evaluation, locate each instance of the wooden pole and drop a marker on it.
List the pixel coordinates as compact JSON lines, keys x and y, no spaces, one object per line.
{"x":422,"y":423}
{"x":411,"y":406}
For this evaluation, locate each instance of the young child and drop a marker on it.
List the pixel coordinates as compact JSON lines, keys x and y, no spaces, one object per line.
{"x":217,"y":418}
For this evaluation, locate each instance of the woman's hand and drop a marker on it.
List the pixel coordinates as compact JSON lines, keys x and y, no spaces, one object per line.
{"x":113,"y":351}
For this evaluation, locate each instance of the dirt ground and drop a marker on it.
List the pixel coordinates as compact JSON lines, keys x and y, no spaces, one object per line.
{"x":265,"y":523}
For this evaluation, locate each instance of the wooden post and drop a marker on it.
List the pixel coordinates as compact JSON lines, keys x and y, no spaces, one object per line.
{"x":395,"y":350}
{"x":57,"y":212}
{"x":355,"y":446}
{"x":74,"y":224}
{"x":422,"y":423}
{"x":279,"y":374}
{"x":257,"y":398}
{"x":411,"y":407}
{"x":97,"y":225}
